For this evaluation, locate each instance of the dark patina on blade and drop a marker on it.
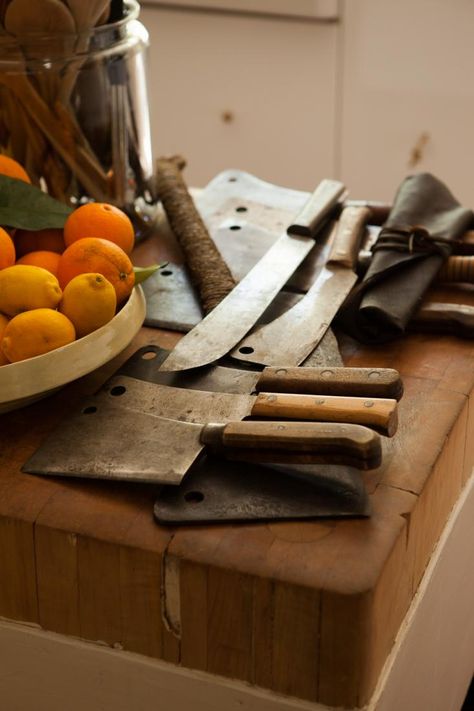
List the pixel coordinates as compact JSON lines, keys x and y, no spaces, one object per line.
{"x":211,"y":495}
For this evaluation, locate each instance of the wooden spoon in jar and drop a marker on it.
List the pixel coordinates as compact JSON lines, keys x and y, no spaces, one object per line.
{"x":43,"y":17}
{"x":87,"y":13}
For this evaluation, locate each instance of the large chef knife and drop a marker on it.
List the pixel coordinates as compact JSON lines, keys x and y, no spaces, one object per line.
{"x":154,"y":449}
{"x":201,"y":406}
{"x":291,"y":337}
{"x":235,"y":315}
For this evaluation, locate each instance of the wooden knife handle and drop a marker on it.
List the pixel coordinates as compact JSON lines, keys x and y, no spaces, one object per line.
{"x":457,"y":319}
{"x":378,"y":413}
{"x":318,"y":205}
{"x":301,"y":442}
{"x":358,"y":382}
{"x":457,"y":269}
{"x":344,"y":250}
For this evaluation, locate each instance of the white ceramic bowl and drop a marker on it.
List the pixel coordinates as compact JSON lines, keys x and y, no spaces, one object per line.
{"x":29,"y":380}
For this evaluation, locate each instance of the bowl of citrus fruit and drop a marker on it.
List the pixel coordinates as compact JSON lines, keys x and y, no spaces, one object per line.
{"x":69,"y":297}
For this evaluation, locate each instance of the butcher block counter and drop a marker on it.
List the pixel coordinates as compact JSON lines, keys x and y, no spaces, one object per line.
{"x":305,"y":609}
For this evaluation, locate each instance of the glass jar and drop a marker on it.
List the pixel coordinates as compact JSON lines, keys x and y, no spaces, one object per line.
{"x":74,"y":107}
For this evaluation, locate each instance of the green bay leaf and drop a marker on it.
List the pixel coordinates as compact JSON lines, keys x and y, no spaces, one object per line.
{"x":27,"y":207}
{"x":142,"y":273}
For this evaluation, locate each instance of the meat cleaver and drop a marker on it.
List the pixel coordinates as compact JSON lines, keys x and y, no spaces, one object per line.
{"x":136,"y":446}
{"x":327,"y":379}
{"x":201,"y":406}
{"x":262,"y":494}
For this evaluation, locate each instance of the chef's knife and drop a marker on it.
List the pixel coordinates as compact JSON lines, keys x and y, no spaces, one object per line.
{"x":147,"y":448}
{"x":200,"y":406}
{"x":235,"y":315}
{"x":291,"y":337}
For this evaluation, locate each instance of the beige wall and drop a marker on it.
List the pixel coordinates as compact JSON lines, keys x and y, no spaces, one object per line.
{"x":381,"y":92}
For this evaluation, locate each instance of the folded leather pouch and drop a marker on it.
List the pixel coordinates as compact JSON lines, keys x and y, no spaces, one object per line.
{"x":414,"y":242}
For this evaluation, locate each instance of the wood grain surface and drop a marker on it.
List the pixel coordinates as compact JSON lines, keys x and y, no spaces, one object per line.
{"x":307,"y":609}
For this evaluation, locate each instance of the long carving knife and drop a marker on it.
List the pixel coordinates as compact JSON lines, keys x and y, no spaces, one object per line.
{"x":235,"y":315}
{"x":291,"y":337}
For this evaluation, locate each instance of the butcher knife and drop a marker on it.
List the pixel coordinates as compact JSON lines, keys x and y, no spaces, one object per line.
{"x":235,"y":315}
{"x":201,"y":406}
{"x":291,"y":337}
{"x":325,"y":380}
{"x":147,"y":448}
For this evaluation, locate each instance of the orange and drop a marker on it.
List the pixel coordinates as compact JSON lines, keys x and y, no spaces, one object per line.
{"x":90,"y":255}
{"x":13,"y":169}
{"x":89,"y":302}
{"x":7,"y":250}
{"x":43,"y":258}
{"x":35,"y":332}
{"x":99,"y":219}
{"x":3,"y":325}
{"x":28,"y":241}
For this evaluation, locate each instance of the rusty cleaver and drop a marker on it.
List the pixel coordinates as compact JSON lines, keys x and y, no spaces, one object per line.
{"x":146,"y":448}
{"x":235,"y":315}
{"x":201,"y":406}
{"x":328,"y":379}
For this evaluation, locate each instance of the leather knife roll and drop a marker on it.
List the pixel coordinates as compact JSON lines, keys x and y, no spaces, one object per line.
{"x":412,"y":246}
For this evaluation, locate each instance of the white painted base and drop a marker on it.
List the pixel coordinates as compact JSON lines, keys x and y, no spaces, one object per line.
{"x":429,"y":669}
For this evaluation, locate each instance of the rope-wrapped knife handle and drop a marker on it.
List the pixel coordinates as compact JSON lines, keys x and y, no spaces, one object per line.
{"x":208,"y":272}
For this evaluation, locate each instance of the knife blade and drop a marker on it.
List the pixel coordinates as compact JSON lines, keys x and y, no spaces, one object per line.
{"x":321,"y":380}
{"x":291,"y":337}
{"x":234,"y":316}
{"x":200,"y":406}
{"x":147,"y":448}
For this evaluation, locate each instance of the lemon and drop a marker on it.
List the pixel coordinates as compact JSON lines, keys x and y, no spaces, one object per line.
{"x":24,"y":287}
{"x":89,"y":301}
{"x":35,"y":332}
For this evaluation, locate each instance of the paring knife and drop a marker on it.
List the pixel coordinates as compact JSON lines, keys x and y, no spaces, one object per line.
{"x":200,"y":406}
{"x":235,"y":315}
{"x":135,"y":446}
{"x":291,"y":337}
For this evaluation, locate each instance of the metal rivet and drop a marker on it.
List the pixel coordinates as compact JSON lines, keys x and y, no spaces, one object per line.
{"x":375,"y":374}
{"x":327,"y":373}
{"x":369,"y":403}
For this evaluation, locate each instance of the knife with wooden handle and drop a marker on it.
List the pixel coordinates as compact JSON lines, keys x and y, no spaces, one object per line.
{"x":455,"y":319}
{"x":291,"y":337}
{"x":235,"y":315}
{"x":136,"y":446}
{"x":199,"y":406}
{"x":315,"y":380}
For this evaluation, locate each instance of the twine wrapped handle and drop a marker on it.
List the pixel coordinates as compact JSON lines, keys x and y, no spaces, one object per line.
{"x":209,"y":274}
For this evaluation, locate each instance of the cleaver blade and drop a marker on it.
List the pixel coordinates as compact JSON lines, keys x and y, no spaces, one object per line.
{"x":322,"y":380}
{"x":134,"y":446}
{"x":235,"y":315}
{"x":200,"y":406}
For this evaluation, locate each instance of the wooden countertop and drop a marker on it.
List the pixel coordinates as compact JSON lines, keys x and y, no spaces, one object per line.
{"x":308,"y":609}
